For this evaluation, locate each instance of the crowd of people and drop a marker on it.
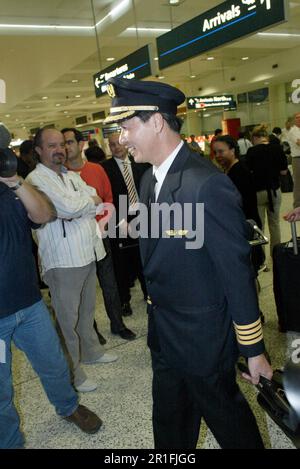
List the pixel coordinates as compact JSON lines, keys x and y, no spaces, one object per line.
{"x":199,"y":321}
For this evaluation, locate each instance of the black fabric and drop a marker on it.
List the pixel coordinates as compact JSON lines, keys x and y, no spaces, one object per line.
{"x":243,"y":180}
{"x":125,"y":251}
{"x":265,"y":162}
{"x":152,"y":190}
{"x":109,"y":287}
{"x":193,"y":302}
{"x":181,"y":400}
{"x":286,"y":183}
{"x":18,"y":276}
{"x":286,"y":284}
{"x":23,"y":169}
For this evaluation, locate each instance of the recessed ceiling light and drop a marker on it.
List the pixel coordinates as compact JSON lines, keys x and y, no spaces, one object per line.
{"x":193,"y":76}
{"x":148,"y":30}
{"x":7,"y":115}
{"x":161,"y":77}
{"x":110,"y":59}
{"x":45,"y":97}
{"x":278,"y":34}
{"x":245,"y":58}
{"x":57,"y":105}
{"x":210,"y":58}
{"x":173,"y":2}
{"x":78,"y":96}
{"x":65,"y":112}
{"x":156,"y":58}
{"x":75,"y":81}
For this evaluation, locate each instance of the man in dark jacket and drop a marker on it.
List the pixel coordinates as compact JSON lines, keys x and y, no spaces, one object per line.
{"x":203,"y":307}
{"x":125,"y":176}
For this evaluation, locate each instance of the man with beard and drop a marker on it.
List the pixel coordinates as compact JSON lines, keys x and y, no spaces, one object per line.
{"x":95,"y":176}
{"x":69,"y":248}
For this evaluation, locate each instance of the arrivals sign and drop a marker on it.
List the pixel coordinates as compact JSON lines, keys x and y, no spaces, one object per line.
{"x":136,"y":65}
{"x":226,"y":102}
{"x":227,"y":22}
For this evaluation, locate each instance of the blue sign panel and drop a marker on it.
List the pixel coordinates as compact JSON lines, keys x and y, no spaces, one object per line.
{"x":227,"y":22}
{"x":136,"y":65}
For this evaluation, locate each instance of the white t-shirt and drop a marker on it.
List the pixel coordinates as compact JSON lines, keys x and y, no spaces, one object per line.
{"x":244,"y":144}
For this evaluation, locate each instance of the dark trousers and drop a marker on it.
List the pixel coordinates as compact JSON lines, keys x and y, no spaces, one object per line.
{"x":128,"y":266}
{"x":180,"y":401}
{"x":110,"y":292}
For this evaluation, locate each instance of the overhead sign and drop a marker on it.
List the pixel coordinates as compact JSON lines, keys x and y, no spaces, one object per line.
{"x":227,"y":22}
{"x":256,"y":96}
{"x":2,"y":92}
{"x":226,"y":102}
{"x":136,"y":65}
{"x":107,"y":131}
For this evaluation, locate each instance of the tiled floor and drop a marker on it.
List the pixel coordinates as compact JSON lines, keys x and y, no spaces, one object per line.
{"x":123,"y":398}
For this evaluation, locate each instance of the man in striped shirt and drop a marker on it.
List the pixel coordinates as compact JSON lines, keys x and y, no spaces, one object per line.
{"x":69,"y":248}
{"x":95,"y":176}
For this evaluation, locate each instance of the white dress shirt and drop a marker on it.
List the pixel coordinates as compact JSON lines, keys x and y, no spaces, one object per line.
{"x":160,"y":172}
{"x":285,"y":135}
{"x":71,"y":240}
{"x":294,"y":135}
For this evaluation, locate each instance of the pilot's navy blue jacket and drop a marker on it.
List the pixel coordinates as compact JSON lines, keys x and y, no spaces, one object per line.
{"x":203,"y":307}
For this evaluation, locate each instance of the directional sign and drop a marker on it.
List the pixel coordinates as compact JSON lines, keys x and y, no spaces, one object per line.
{"x":227,"y":22}
{"x":136,"y":65}
{"x":226,"y":102}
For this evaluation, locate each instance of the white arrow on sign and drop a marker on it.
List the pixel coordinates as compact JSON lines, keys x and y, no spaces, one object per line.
{"x":97,"y":83}
{"x":191,"y":101}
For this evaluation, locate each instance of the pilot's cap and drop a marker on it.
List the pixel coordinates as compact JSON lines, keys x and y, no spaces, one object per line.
{"x":132,"y":96}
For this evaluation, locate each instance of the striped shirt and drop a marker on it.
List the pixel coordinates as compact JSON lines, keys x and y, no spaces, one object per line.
{"x":71,"y":240}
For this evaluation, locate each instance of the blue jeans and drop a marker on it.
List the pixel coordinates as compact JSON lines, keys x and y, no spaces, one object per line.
{"x":32,"y":331}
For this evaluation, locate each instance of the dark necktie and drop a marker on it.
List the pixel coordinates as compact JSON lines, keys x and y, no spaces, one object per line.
{"x":152,"y":197}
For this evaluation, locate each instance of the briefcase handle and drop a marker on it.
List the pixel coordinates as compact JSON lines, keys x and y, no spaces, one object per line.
{"x":269,"y":389}
{"x":294,"y":238}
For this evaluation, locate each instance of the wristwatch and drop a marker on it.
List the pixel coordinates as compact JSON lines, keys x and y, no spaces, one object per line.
{"x":18,"y":185}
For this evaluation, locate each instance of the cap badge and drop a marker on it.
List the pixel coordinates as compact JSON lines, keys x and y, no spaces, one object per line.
{"x":111,"y":91}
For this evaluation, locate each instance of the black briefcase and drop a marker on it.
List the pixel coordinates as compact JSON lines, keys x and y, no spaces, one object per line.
{"x":286,"y":283}
{"x":272,"y":398}
{"x":286,"y":183}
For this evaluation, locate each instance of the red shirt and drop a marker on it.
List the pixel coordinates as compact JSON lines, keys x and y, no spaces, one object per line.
{"x":95,"y":176}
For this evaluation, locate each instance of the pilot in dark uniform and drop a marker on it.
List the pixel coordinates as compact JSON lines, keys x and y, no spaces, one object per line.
{"x":202,"y":305}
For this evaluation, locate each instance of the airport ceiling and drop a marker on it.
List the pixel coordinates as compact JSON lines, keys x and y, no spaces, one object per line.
{"x":58,"y":64}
